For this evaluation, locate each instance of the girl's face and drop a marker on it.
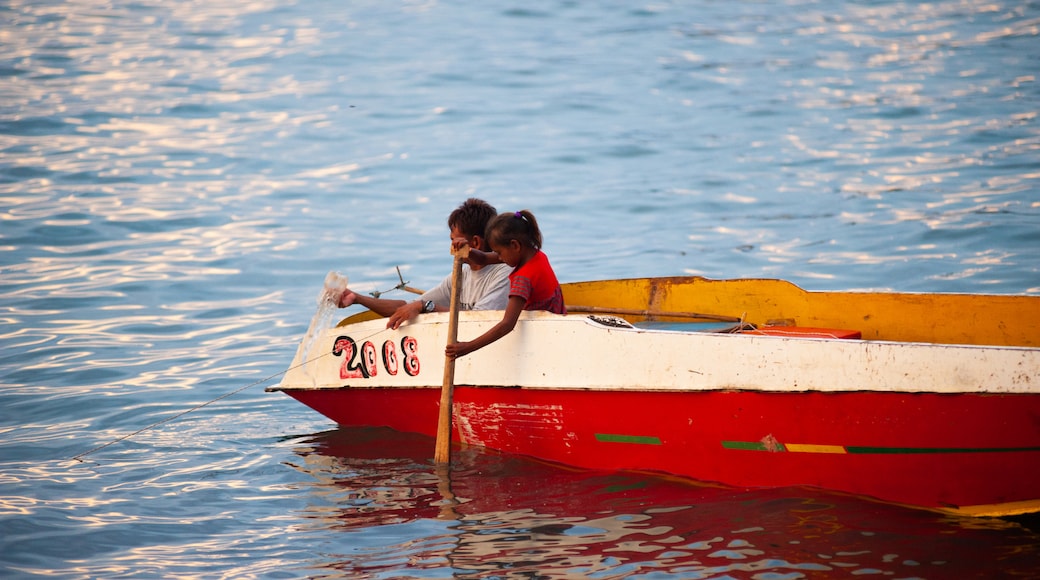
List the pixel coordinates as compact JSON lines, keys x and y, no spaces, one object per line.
{"x":509,"y":253}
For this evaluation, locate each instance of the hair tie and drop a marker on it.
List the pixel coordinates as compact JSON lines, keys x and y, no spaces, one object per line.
{"x":520,"y":215}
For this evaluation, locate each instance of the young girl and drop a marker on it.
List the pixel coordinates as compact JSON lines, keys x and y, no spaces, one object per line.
{"x":516,"y":240}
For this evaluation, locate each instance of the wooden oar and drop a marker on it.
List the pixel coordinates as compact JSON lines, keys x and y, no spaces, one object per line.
{"x":442,"y":450}
{"x":448,"y":501}
{"x":634,"y":312}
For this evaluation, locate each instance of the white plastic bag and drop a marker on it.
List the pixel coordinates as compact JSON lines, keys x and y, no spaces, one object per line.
{"x":335,"y":284}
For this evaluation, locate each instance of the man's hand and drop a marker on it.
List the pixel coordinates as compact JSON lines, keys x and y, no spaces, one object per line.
{"x":404,"y":314}
{"x":347,"y":298}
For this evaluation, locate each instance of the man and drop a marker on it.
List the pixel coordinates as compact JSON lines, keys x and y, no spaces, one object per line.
{"x":483,"y":287}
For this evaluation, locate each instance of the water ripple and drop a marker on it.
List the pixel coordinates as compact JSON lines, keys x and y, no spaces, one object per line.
{"x":177,"y":178}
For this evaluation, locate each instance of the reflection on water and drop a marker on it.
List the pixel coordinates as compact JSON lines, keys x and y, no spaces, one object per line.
{"x":499,"y":516}
{"x":177,"y":177}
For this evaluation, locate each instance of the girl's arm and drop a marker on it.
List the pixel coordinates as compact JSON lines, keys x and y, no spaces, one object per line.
{"x":503,"y":327}
{"x":476,"y":257}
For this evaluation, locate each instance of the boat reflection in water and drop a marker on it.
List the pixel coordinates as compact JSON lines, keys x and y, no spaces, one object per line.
{"x":494,"y":515}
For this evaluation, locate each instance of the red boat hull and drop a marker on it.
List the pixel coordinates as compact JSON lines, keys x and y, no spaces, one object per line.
{"x":922,"y":449}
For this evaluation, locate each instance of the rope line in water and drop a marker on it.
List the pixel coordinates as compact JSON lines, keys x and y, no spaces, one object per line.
{"x":195,"y":408}
{"x":207,"y":403}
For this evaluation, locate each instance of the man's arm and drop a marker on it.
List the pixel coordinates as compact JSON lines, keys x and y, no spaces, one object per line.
{"x":381,"y":306}
{"x":439,"y":296}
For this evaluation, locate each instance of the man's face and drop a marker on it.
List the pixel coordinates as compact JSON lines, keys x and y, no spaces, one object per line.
{"x":474,"y":242}
{"x":456,"y":234}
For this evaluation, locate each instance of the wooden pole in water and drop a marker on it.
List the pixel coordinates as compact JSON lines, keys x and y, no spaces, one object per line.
{"x":442,"y":451}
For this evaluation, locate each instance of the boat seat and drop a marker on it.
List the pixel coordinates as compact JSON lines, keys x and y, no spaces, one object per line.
{"x":672,"y":325}
{"x":679,"y":326}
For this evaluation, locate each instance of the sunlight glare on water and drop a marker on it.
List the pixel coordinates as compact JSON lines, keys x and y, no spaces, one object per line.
{"x":177,"y":178}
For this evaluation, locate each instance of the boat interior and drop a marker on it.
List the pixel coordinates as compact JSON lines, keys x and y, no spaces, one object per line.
{"x":777,"y":307}
{"x":780,"y":308}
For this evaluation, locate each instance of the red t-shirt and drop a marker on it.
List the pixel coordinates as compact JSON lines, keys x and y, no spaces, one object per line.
{"x":536,"y":283}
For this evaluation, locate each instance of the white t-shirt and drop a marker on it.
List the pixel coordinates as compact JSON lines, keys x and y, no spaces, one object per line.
{"x":483,"y":289}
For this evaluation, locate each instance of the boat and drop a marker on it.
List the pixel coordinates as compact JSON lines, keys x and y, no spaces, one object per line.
{"x":925,"y":400}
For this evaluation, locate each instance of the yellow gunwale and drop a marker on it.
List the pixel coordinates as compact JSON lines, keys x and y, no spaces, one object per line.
{"x":981,"y":319}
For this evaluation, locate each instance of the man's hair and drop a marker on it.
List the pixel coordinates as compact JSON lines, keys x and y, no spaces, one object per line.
{"x":472,"y":217}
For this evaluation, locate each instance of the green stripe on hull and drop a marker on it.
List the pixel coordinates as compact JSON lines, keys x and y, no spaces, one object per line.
{"x":750,"y":446}
{"x":638,"y":439}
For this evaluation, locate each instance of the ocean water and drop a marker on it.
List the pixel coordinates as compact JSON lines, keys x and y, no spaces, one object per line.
{"x":177,"y":178}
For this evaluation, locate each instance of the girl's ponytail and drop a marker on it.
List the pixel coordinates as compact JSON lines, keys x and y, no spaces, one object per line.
{"x":519,"y":225}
